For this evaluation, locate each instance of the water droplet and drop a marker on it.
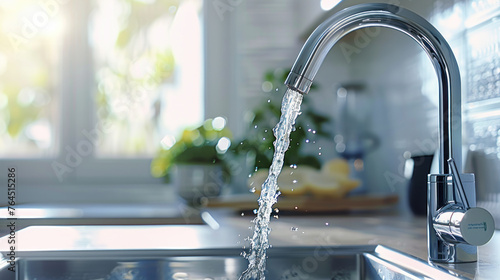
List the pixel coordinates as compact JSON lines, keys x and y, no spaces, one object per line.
{"x":296,"y":207}
{"x":256,"y":168}
{"x":294,"y":229}
{"x":255,"y":126}
{"x":269,"y":101}
{"x":255,"y":211}
{"x":276,"y":217}
{"x":242,"y":214}
{"x":319,"y":154}
{"x":307,"y":140}
{"x":267,"y":86}
{"x":276,"y":89}
{"x":252,"y":190}
{"x":327,"y":224}
{"x":294,"y":181}
{"x":263,"y":138}
{"x":276,"y":210}
{"x":265,"y":130}
{"x":314,"y":131}
{"x":309,"y":130}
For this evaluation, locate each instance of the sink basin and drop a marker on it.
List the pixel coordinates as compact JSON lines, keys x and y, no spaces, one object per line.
{"x":339,"y":263}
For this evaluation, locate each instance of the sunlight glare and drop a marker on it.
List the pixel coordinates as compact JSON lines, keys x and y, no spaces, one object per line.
{"x":223,"y":145}
{"x":40,"y":132}
{"x":168,"y":141}
{"x":329,"y":4}
{"x":219,"y":123}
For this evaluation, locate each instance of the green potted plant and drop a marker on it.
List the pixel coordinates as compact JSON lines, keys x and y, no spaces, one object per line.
{"x":258,"y":142}
{"x":196,"y":162}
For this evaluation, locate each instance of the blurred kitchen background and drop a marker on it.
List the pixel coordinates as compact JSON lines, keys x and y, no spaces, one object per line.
{"x":91,"y":91}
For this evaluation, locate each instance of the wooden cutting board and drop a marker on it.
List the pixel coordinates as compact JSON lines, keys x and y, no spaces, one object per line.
{"x":305,"y":204}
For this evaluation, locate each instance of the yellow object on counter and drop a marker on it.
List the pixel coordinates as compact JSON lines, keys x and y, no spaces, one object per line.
{"x":331,"y":181}
{"x":336,"y":166}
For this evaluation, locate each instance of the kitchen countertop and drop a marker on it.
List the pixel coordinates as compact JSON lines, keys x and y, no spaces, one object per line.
{"x":227,"y":229}
{"x":101,"y":214}
{"x":405,"y":233}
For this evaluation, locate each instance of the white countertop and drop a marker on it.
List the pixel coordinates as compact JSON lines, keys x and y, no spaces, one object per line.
{"x":230,"y":230}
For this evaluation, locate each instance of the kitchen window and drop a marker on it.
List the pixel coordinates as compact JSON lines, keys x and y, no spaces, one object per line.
{"x":88,"y":89}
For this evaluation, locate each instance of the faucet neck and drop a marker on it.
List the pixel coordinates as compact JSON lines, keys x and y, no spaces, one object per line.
{"x":385,"y":15}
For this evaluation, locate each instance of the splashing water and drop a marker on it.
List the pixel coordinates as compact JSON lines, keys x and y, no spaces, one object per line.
{"x":290,"y":108}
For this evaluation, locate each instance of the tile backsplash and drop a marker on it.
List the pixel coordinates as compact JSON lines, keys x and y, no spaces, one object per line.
{"x":399,"y":73}
{"x":473,"y":27}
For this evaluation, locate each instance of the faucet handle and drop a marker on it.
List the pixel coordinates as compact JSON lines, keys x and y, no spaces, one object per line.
{"x":477,"y":226}
{"x":474,"y":226}
{"x":473,"y":218}
{"x":458,"y":181}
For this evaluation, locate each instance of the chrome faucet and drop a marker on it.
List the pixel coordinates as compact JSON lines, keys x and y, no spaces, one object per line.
{"x":455,"y":226}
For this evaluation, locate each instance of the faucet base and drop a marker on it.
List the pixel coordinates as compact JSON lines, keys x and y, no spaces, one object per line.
{"x":441,"y":199}
{"x":452,"y":253}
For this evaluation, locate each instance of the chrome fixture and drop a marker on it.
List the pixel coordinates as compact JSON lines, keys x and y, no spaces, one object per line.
{"x":454,"y":228}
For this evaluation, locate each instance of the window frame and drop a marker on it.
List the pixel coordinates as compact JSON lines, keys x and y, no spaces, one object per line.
{"x":75,"y":163}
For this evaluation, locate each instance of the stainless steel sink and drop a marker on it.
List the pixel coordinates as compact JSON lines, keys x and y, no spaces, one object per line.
{"x":339,"y":263}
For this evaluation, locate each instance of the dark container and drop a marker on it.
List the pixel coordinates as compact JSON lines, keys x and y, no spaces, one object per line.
{"x":417,"y":190}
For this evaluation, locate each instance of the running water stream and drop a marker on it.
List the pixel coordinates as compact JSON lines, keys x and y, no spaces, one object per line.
{"x":290,"y":108}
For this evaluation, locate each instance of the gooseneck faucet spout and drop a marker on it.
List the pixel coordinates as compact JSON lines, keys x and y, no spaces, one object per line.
{"x":333,"y":29}
{"x":445,"y":244}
